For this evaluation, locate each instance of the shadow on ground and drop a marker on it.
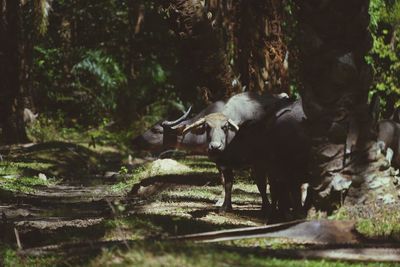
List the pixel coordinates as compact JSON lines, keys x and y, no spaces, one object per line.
{"x":69,"y":161}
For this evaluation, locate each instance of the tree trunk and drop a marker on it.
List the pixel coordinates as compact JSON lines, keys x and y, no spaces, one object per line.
{"x":136,"y":16}
{"x":11,"y":102}
{"x":345,"y":161}
{"x":203,"y":57}
{"x":262,"y":50}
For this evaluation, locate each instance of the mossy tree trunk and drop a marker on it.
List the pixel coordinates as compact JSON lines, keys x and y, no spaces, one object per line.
{"x":345,"y":161}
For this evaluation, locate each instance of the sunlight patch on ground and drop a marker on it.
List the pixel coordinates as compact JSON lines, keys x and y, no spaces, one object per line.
{"x":166,"y":166}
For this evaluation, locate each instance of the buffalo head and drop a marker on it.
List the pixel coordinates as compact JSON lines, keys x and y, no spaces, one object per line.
{"x":160,"y":135}
{"x":150,"y":140}
{"x":172,"y":129}
{"x":220,"y":131}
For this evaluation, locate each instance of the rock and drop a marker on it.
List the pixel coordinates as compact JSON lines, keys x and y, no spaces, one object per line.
{"x":166,"y":166}
{"x":340,"y":183}
{"x":42,"y":177}
{"x":329,"y":151}
{"x":394,"y":172}
{"x":387,"y":199}
{"x":378,"y":182}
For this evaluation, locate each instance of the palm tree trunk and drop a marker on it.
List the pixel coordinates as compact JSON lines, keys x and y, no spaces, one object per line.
{"x":203,"y":56}
{"x":262,"y":50}
{"x":334,"y":39}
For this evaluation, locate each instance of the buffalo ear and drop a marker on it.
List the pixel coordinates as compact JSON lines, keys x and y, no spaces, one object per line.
{"x":233,"y":125}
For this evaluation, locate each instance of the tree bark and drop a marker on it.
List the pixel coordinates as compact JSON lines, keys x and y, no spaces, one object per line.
{"x":263,"y":54}
{"x":203,"y":57}
{"x":11,"y":102}
{"x":345,"y":161}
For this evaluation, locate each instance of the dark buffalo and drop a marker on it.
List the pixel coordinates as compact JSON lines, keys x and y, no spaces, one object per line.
{"x":288,"y":147}
{"x":236,"y":137}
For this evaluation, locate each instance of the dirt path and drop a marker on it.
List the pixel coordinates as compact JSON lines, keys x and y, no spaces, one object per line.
{"x":77,"y":220}
{"x":63,"y":213}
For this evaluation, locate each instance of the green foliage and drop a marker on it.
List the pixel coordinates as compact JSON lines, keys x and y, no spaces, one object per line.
{"x":384,"y":56}
{"x":22,"y":184}
{"x":45,"y":130}
{"x":10,"y":258}
{"x":98,"y":81}
{"x":383,"y":226}
{"x":13,"y":177}
{"x":90,"y":67}
{"x":47,"y":75}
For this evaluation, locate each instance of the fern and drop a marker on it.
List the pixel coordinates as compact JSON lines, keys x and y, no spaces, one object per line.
{"x":100,"y":77}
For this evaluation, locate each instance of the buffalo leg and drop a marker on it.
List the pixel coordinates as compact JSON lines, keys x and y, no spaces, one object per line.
{"x":220,"y":201}
{"x":228,"y":183}
{"x":296,"y":200}
{"x":260,"y":177}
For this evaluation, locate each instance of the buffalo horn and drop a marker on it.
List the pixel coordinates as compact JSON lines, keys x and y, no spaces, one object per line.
{"x":175,"y":122}
{"x":194,"y":125}
{"x":233,"y":124}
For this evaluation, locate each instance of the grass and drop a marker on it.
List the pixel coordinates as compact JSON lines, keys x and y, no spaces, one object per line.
{"x":125,"y":184}
{"x":24,"y":184}
{"x":160,"y":254}
{"x":178,"y":210}
{"x":133,"y":228}
{"x":186,"y":254}
{"x":384,"y":224}
{"x":9,"y":258}
{"x":373,"y":221}
{"x":14,"y":179}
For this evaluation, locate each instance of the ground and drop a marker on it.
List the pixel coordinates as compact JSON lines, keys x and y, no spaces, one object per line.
{"x":64,"y":202}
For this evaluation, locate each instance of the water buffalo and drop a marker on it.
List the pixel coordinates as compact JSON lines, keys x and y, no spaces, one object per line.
{"x":389,"y":140}
{"x":236,"y":137}
{"x":166,"y":134}
{"x":288,"y":148}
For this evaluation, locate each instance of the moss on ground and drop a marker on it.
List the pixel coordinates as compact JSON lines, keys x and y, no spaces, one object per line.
{"x":373,"y":221}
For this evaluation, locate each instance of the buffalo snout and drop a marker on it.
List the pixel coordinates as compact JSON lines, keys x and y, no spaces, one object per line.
{"x":215,"y":146}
